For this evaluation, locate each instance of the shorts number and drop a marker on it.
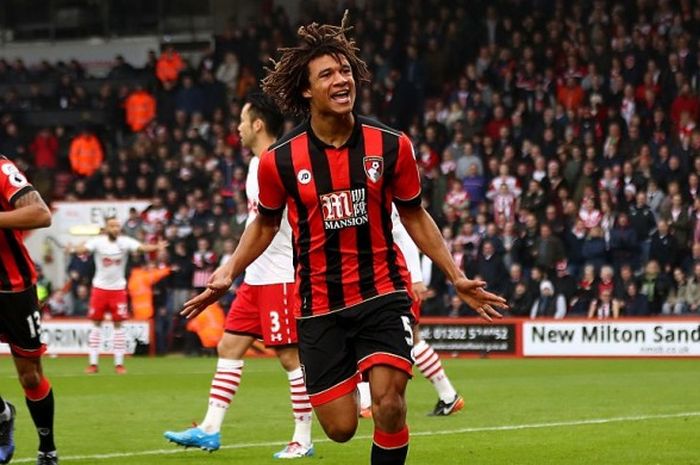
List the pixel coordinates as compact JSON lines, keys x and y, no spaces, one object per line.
{"x":274,"y":321}
{"x":408,"y":328}
{"x":34,"y":322}
{"x":122,"y":310}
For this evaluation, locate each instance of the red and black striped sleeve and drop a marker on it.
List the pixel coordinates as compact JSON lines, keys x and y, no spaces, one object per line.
{"x":406,"y":179}
{"x":272,"y":196}
{"x":13,"y":184}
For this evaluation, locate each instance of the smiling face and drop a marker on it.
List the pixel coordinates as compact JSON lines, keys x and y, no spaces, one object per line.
{"x":331,"y":85}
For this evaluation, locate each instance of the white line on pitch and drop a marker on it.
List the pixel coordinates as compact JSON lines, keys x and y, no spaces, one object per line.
{"x":478,"y":429}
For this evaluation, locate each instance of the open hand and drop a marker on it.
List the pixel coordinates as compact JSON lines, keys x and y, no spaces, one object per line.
{"x":219,"y":283}
{"x":472,"y":292}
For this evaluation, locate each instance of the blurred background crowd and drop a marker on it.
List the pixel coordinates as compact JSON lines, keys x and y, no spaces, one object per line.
{"x":557,"y":141}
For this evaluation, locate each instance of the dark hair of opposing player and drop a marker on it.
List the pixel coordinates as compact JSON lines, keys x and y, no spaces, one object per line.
{"x":289,"y":78}
{"x":264,"y":108}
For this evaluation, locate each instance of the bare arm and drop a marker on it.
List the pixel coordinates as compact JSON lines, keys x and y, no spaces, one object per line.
{"x":147,"y":248}
{"x":255,"y":239}
{"x":30,"y":213}
{"x":424,"y":232}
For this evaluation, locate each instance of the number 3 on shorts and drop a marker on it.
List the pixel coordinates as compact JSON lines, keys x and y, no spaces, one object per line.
{"x":407,"y":327}
{"x":274,"y":321}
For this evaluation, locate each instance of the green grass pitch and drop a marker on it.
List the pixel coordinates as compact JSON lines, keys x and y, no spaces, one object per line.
{"x":627,"y":412}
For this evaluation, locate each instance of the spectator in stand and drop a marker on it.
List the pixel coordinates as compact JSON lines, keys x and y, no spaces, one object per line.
{"x":685,"y":102}
{"x":169,"y":65}
{"x":81,"y":301}
{"x":679,"y":298}
{"x":44,"y":148}
{"x":85,"y":153}
{"x":140,"y":108}
{"x":643,"y":222}
{"x":655,"y":286}
{"x":475,"y":185}
{"x":549,"y":249}
{"x":663,"y":248}
{"x":228,"y":71}
{"x":204,"y":261}
{"x":504,"y":178}
{"x":189,"y":98}
{"x":678,"y":218}
{"x":594,"y":250}
{"x":604,"y":307}
{"x":623,"y":243}
{"x":548,"y":304}
{"x":457,"y":197}
{"x":585,"y":293}
{"x":133,"y":226}
{"x":11,"y":142}
{"x":694,"y":286}
{"x":589,"y":214}
{"x":634,"y":304}
{"x":564,"y":283}
{"x":489,"y":266}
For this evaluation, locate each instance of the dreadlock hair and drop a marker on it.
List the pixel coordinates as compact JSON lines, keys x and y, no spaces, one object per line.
{"x":289,"y":77}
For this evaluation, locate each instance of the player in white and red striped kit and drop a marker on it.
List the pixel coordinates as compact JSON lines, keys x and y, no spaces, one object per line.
{"x":110,"y":252}
{"x":263,"y":309}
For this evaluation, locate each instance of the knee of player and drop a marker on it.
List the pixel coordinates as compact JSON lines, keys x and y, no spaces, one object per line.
{"x":288,"y":357}
{"x":389,"y":407}
{"x":30,"y":379}
{"x":340,"y":432}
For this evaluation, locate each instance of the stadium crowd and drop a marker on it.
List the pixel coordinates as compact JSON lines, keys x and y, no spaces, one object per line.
{"x":558,"y":144}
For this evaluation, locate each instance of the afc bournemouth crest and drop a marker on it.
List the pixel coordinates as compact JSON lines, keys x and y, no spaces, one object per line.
{"x":374,"y":168}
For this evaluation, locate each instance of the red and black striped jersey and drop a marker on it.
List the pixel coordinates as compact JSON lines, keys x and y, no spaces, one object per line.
{"x":17,"y":271}
{"x":339,"y":206}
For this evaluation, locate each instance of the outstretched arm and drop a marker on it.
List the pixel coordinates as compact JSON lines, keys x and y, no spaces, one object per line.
{"x":30,"y":213}
{"x":425,"y":234}
{"x":255,"y":239}
{"x":148,"y":248}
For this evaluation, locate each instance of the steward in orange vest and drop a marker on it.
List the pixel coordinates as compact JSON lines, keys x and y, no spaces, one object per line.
{"x":169,"y":65}
{"x":140,"y":109}
{"x":85,"y":154}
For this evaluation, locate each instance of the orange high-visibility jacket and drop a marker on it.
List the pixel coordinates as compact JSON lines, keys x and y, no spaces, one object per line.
{"x":140,"y":288}
{"x":168,"y":66}
{"x":209,"y":325}
{"x":85,"y":154}
{"x":140,"y":109}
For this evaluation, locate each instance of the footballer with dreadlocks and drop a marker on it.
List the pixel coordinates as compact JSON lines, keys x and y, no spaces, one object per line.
{"x":338,"y":174}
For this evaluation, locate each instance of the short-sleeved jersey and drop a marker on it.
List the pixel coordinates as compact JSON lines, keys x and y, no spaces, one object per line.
{"x":339,"y":206}
{"x":110,"y":260}
{"x":275,"y":265}
{"x":16,"y":266}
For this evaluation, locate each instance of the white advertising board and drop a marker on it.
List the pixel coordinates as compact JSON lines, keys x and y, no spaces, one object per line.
{"x":680,"y":338}
{"x":70,"y":337}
